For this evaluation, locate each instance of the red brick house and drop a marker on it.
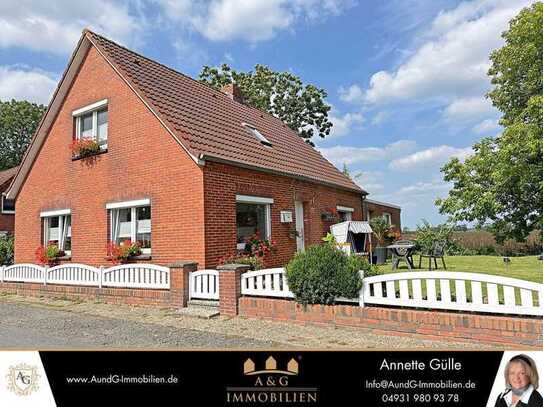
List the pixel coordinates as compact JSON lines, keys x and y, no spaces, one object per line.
{"x":7,"y":207}
{"x":374,"y":209}
{"x":185,"y":169}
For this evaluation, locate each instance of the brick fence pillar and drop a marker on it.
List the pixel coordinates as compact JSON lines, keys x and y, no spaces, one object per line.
{"x":230,"y":287}
{"x":179,"y":282}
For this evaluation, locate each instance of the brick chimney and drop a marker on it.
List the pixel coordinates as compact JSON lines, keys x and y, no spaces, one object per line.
{"x":233,"y":91}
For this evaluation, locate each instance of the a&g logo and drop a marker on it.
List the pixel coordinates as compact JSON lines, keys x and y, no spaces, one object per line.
{"x":23,"y":379}
{"x":271,"y":384}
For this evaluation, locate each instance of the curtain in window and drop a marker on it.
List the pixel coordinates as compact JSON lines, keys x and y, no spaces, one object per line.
{"x":64,"y":223}
{"x":45,"y":231}
{"x":61,"y":233}
{"x":114,"y":225}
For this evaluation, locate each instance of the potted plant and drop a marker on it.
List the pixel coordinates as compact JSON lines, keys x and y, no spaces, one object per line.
{"x":381,"y":230}
{"x":123,"y":252}
{"x":49,"y":254}
{"x":84,"y":147}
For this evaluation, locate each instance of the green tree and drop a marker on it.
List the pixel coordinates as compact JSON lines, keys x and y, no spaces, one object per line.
{"x":18,"y":121}
{"x":282,"y":94}
{"x":501,"y":184}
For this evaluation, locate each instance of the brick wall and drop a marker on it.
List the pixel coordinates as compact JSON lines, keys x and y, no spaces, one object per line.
{"x":7,"y":221}
{"x":222,"y":183}
{"x":375,"y":210}
{"x":128,"y":296}
{"x":502,"y":330}
{"x":142,"y":161}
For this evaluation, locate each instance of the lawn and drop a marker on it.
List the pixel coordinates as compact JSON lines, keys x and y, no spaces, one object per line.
{"x":524,"y":268}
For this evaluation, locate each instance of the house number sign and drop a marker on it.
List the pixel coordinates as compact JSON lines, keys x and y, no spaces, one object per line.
{"x":286,"y":216}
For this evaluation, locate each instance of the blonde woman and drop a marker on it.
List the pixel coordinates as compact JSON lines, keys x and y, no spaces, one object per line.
{"x":521,"y":382}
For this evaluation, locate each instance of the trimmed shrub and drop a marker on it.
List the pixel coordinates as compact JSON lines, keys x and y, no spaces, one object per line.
{"x":322,"y":273}
{"x":6,"y":250}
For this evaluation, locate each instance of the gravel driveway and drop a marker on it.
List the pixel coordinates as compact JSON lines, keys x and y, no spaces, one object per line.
{"x":56,"y":323}
{"x":24,"y":326}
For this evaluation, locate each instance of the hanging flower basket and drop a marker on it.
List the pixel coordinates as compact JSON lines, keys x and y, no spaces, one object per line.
{"x":123,"y":252}
{"x":49,"y":254}
{"x":84,"y":147}
{"x":330,"y":215}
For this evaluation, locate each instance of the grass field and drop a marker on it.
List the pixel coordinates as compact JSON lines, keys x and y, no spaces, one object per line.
{"x":524,"y":268}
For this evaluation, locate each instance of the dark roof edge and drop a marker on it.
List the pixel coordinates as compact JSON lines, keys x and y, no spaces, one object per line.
{"x":207,"y":157}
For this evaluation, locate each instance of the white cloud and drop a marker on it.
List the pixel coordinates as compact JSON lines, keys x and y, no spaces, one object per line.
{"x":451,"y":60}
{"x":380,"y":118}
{"x":351,"y":155}
{"x":424,"y":188}
{"x":25,"y":84}
{"x":469,"y":110}
{"x":249,"y":20}
{"x":430,"y":158}
{"x":56,"y":25}
{"x":370,"y":181}
{"x":190,"y":55}
{"x":486,"y":126}
{"x":343,"y":125}
{"x":353,"y":94}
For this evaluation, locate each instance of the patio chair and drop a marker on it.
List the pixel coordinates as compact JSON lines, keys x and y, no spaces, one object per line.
{"x":403,"y":254}
{"x":436,"y":252}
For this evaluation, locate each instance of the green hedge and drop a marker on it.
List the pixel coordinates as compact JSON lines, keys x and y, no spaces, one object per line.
{"x":321,"y":273}
{"x":6,"y":250}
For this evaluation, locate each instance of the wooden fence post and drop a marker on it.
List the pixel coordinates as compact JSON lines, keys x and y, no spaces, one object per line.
{"x":2,"y":274}
{"x":45,"y":270}
{"x":100,"y":276}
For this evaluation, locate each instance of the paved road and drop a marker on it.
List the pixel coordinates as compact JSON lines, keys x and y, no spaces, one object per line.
{"x":24,"y":326}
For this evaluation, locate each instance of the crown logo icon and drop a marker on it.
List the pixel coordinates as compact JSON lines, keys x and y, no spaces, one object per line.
{"x":249,"y":367}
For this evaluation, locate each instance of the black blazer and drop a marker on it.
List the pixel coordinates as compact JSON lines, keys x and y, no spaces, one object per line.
{"x":535,"y":401}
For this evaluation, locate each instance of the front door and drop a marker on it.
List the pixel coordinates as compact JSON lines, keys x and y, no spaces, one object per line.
{"x":299,"y":206}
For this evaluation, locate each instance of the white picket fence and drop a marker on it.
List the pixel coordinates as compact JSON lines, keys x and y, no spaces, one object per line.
{"x":124,"y":276}
{"x":456,"y":291}
{"x":268,"y":283}
{"x":204,"y":285}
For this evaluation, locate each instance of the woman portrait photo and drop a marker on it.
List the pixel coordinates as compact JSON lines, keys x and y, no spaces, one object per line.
{"x":521,"y":383}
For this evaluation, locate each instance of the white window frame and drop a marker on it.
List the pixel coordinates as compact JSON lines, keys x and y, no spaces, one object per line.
{"x":58,"y":213}
{"x":2,"y":207}
{"x":388,"y":217}
{"x":348,"y":211}
{"x":257,"y":200}
{"x":92,"y":108}
{"x":132,"y":205}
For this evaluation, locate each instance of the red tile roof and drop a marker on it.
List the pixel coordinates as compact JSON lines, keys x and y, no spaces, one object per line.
{"x":6,"y":176}
{"x":209,"y":123}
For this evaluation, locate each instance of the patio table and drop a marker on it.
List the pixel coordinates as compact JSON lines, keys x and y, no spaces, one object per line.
{"x":402,"y":252}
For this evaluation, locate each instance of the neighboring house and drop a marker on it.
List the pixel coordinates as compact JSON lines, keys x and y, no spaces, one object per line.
{"x":374,"y":209}
{"x":187,"y":170}
{"x":7,"y":206}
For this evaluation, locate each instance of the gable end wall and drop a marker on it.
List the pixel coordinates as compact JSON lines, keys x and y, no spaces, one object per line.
{"x":143,"y":161}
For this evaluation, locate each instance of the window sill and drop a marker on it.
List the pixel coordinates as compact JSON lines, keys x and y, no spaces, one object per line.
{"x":135,"y":258}
{"x":76,"y":158}
{"x":64,"y":258}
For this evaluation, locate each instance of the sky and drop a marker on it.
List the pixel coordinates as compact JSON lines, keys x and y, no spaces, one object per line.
{"x":406,"y":79}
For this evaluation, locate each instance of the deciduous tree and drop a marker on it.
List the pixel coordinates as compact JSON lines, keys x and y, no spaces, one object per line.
{"x":282,"y":94}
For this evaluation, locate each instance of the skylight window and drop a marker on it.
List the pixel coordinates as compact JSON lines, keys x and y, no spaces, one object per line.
{"x":258,"y":135}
